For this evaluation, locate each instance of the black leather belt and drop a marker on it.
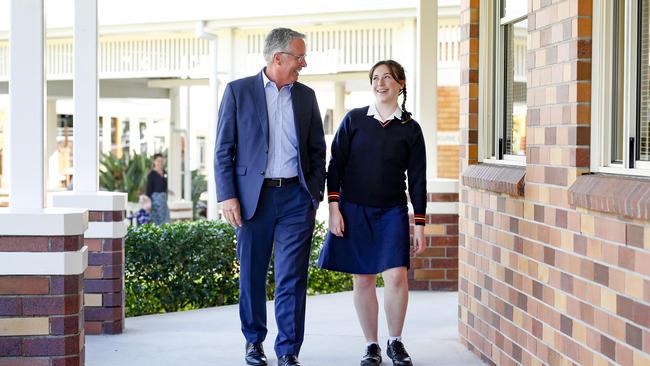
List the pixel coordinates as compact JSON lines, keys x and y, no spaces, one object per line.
{"x":279,"y":182}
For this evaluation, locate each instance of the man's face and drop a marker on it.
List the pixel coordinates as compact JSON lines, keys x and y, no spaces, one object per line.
{"x":290,"y":62}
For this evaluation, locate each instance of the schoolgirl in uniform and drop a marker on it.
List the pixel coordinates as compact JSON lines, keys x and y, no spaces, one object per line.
{"x":374,"y":150}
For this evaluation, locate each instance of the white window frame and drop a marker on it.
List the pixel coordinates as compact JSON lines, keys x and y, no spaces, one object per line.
{"x":601,"y":95}
{"x":491,"y":84}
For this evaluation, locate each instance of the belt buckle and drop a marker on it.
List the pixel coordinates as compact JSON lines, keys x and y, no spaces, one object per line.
{"x":279,"y":180}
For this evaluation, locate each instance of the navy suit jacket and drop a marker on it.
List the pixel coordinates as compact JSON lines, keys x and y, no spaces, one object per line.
{"x":242,"y":146}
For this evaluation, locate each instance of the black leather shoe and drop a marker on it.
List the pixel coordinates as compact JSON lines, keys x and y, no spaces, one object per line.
{"x":396,"y":351}
{"x":288,"y":360}
{"x":372,"y":356}
{"x":255,"y":354}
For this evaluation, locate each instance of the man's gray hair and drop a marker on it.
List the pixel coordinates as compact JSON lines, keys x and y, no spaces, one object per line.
{"x":278,"y":41}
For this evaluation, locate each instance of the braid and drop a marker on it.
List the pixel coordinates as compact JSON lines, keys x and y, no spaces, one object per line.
{"x":407,"y":116}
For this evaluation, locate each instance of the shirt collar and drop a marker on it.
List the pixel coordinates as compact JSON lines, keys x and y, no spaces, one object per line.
{"x":267,"y":81}
{"x":372,"y":111}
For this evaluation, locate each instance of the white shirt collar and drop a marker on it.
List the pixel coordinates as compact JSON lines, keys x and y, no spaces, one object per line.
{"x":266,"y":80}
{"x":372,"y":111}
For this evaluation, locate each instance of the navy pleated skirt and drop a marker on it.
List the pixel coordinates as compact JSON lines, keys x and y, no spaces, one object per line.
{"x":375,"y":239}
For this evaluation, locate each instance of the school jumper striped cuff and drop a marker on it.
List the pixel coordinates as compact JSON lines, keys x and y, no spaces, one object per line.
{"x":332,"y":197}
{"x":420,"y":219}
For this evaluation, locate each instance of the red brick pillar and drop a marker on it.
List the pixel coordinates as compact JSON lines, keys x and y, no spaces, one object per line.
{"x":104,"y":278}
{"x":104,"y":298}
{"x":437,"y":267}
{"x":41,"y":289}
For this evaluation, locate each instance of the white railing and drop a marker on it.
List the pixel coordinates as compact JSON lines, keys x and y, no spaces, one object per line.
{"x":448,"y":51}
{"x":4,"y":60}
{"x":448,"y":44}
{"x":334,"y":49}
{"x":519,"y":54}
{"x":170,"y":56}
{"x":331,"y":49}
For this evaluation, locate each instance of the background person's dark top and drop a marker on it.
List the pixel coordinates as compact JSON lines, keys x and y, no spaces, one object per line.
{"x":156,"y":183}
{"x":369,"y":162}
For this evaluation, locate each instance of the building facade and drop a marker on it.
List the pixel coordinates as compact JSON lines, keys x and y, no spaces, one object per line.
{"x":554,"y":196}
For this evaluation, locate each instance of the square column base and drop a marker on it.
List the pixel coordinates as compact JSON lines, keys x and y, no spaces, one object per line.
{"x":104,"y":277}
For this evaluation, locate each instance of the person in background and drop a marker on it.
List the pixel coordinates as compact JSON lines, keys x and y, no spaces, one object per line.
{"x":373,"y":149}
{"x":157,"y":191}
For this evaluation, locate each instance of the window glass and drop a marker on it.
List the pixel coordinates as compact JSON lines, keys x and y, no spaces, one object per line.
{"x":618,"y":89}
{"x":514,"y":8}
{"x":644,"y":97}
{"x":515,"y":107}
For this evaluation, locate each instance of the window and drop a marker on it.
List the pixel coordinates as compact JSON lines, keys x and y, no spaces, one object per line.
{"x":621,"y":87}
{"x":100,"y":130}
{"x":200,"y":143}
{"x":503,"y":87}
{"x":159,"y":144}
{"x":143,"y":138}
{"x":126,"y":136}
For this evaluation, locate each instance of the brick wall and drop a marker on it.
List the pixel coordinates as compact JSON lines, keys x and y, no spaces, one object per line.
{"x":40,"y":316}
{"x":104,"y":298}
{"x":543,"y":281}
{"x":468,"y":89}
{"x":448,"y":108}
{"x":437,"y":267}
{"x":104,"y":276}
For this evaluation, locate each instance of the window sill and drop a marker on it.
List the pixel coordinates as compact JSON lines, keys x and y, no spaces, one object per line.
{"x":507,"y":179}
{"x":618,"y":195}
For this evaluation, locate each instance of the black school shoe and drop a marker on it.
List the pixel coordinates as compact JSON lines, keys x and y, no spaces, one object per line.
{"x":372,"y":356}
{"x":288,"y":360}
{"x":396,"y":352}
{"x":255,"y":354}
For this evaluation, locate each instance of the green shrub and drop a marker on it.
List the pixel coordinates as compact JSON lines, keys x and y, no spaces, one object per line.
{"x":192,"y":265}
{"x":180,"y":266}
{"x":127,"y":174}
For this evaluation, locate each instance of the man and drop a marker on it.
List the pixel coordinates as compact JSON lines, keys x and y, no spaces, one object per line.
{"x":270,"y":175}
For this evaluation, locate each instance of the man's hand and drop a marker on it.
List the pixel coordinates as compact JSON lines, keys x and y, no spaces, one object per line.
{"x":231,"y":211}
{"x":418,"y":239}
{"x":337,"y":226}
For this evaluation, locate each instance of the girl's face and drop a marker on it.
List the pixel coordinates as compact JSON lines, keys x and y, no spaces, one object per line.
{"x":385,"y":88}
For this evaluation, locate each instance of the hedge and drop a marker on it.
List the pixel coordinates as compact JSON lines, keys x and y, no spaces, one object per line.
{"x":192,"y":265}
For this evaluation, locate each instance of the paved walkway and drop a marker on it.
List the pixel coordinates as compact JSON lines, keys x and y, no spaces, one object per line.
{"x":333,"y":337}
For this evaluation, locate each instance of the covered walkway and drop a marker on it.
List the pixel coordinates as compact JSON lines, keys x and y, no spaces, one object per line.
{"x":211,"y":336}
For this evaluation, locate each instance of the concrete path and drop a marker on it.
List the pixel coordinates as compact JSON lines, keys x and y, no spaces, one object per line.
{"x":332,"y":336}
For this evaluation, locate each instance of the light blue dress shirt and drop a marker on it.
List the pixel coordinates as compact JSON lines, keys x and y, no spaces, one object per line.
{"x":282,"y":160}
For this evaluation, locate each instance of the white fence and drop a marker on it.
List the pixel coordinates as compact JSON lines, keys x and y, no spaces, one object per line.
{"x":331,"y":49}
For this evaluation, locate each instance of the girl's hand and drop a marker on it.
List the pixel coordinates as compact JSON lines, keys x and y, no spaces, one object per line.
{"x":336,"y":223}
{"x":418,"y":239}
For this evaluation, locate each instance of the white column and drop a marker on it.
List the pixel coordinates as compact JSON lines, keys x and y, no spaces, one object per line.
{"x":27,"y":104}
{"x":106,"y":134}
{"x":85,"y":91}
{"x":5,"y":160}
{"x":339,"y":103}
{"x":51,"y":156}
{"x":426,"y":104}
{"x":187,"y":171}
{"x":174,"y":152}
{"x":213,"y":207}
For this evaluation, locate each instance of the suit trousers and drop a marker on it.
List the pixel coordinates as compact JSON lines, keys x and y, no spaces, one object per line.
{"x":283,"y":223}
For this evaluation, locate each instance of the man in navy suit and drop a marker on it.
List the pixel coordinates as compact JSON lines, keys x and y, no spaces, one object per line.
{"x":270,"y":174}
